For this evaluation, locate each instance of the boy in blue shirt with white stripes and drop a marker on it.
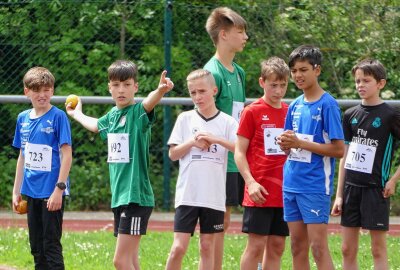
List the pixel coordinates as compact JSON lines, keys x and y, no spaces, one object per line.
{"x":313,"y":138}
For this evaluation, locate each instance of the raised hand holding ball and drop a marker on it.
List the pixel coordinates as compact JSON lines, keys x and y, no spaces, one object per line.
{"x":73,"y":99}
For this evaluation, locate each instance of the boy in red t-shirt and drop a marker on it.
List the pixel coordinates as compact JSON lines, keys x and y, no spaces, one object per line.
{"x":260,"y":161}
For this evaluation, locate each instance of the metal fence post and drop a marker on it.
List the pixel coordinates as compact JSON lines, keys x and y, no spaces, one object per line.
{"x":167,"y":109}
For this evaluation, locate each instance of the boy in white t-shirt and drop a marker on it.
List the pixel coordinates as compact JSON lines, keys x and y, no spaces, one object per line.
{"x":201,"y":139}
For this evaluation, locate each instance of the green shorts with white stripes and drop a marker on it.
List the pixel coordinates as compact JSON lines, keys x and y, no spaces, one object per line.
{"x":131,"y":219}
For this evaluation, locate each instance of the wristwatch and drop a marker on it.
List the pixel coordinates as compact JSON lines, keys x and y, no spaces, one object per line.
{"x":61,"y":185}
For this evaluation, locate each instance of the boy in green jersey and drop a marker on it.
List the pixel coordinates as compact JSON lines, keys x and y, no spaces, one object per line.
{"x":227,"y":29}
{"x":126,"y":127}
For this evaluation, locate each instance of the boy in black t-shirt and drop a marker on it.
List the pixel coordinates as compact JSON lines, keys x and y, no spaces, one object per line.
{"x":364,"y":186}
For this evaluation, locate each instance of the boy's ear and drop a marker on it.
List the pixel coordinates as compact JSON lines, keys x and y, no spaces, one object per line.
{"x":136,"y":87}
{"x":215,"y":90}
{"x":26,"y":91}
{"x":222,"y":34}
{"x":317,"y":69}
{"x":261,"y":82}
{"x":381,"y":84}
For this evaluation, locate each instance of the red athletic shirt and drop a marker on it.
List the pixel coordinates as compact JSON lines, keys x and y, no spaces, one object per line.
{"x":267,"y":170}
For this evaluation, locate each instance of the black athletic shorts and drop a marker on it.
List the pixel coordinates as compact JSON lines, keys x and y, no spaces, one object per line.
{"x":234,"y":189}
{"x":264,"y":221}
{"x":365,"y":207}
{"x":131,"y":219}
{"x":211,"y":220}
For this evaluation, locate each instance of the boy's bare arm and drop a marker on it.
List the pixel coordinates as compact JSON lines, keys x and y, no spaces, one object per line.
{"x":90,"y":123}
{"x":211,"y":139}
{"x":390,"y":186}
{"x":19,"y":172}
{"x":177,"y":151}
{"x":55,"y":201}
{"x":255,"y":190}
{"x":337,"y":205}
{"x":165,"y":85}
{"x":334,"y":149}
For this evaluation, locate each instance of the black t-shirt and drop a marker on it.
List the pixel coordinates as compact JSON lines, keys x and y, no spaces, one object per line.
{"x":371,"y":132}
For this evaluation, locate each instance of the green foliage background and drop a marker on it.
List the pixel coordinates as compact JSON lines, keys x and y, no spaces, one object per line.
{"x":78,"y":40}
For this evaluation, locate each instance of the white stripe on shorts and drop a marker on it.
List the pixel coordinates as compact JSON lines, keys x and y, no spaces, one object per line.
{"x":135,"y":225}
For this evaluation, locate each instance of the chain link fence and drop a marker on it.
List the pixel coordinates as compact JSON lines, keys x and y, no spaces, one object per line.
{"x":78,"y":40}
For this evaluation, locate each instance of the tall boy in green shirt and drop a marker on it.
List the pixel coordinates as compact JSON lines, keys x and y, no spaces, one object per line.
{"x":227,"y":29}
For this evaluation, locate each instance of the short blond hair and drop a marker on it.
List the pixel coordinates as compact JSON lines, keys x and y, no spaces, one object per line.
{"x":38,"y":77}
{"x":274,"y":66}
{"x":223,"y":18}
{"x":201,"y":74}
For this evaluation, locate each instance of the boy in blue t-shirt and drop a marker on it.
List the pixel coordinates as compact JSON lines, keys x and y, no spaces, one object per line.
{"x":43,"y":135}
{"x":313,"y":138}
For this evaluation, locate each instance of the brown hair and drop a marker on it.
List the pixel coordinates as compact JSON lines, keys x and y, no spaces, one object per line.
{"x":223,"y":18}
{"x":122,"y":70}
{"x":371,"y":67}
{"x":38,"y":77}
{"x":274,"y":66}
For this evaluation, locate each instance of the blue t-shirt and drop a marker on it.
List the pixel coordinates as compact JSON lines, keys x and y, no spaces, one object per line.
{"x":322,"y":120}
{"x":49,"y":130}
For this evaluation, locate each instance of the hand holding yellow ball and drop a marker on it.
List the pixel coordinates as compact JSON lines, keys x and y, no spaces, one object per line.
{"x":73,"y":99}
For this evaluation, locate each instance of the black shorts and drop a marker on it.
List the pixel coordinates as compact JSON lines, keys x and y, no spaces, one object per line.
{"x":131,"y":219}
{"x":264,"y":221}
{"x":234,"y":189}
{"x":365,"y":207}
{"x":211,"y":220}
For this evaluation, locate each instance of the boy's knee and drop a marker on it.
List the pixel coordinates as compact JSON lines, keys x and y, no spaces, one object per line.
{"x":298,"y":246}
{"x":318,"y":250}
{"x":177,"y":251}
{"x":378,"y":252}
{"x":206,"y":248}
{"x":278,"y":250}
{"x":349,"y":251}
{"x":118,"y":263}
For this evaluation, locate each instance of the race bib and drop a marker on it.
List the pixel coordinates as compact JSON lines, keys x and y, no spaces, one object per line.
{"x":215,"y":153}
{"x":118,"y":147}
{"x":270,"y":145}
{"x":38,"y":157}
{"x":360,"y":157}
{"x":299,"y":154}
{"x":237,"y":109}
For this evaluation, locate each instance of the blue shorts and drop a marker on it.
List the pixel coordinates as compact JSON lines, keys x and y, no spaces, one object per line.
{"x":310,"y":208}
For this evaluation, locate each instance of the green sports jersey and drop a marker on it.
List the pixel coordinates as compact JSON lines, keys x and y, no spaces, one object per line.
{"x":129,"y":178}
{"x":231,"y":93}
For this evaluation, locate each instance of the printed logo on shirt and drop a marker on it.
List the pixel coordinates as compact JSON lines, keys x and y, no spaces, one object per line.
{"x":316,"y":117}
{"x":50,"y":122}
{"x":195,"y":130}
{"x":239,"y":80}
{"x":354,"y":121}
{"x":377,"y":122}
{"x":265,"y":117}
{"x":228,"y":83}
{"x":47,"y":130}
{"x":263,"y":126}
{"x":122,"y":121}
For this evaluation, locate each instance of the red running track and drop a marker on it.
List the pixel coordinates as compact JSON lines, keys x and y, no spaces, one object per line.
{"x":154,"y":225}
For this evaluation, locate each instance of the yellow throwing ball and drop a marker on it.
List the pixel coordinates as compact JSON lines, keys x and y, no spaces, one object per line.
{"x":73,"y":99}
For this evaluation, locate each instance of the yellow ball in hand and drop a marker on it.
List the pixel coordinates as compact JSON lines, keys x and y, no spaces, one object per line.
{"x":73,"y":99}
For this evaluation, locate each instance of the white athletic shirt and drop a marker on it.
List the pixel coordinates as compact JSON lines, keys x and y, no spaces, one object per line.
{"x":202,"y":174}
